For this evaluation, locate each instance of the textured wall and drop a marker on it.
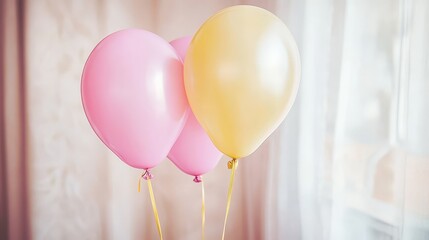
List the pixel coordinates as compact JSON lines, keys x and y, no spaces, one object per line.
{"x":79,"y":189}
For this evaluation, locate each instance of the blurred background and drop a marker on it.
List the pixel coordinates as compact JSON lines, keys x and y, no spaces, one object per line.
{"x":351,"y":161}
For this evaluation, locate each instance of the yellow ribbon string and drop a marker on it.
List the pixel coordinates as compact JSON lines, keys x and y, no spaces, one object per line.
{"x":233,"y":166}
{"x":203,"y":209}
{"x":155,"y":211}
{"x":152,"y":200}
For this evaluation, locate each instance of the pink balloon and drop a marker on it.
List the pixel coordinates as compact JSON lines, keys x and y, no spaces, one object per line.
{"x":133,"y":96}
{"x":193,"y":152}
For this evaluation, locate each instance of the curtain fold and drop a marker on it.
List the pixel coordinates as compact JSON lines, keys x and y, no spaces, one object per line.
{"x":3,"y":185}
{"x":15,"y":202}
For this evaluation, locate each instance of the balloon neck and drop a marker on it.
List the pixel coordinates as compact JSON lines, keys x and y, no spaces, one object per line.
{"x":198,"y":179}
{"x":147,"y":175}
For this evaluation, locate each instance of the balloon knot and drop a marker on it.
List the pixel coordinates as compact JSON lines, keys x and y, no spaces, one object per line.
{"x":198,"y":179}
{"x":231,"y":163}
{"x":147,"y":175}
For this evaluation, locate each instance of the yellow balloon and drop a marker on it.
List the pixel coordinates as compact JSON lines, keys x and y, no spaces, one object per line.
{"x":242,"y":72}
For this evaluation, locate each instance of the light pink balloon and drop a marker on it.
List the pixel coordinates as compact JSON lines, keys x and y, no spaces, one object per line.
{"x":133,"y":96}
{"x":193,"y":152}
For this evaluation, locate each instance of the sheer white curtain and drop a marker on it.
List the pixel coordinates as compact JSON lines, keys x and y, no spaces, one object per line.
{"x":351,"y":161}
{"x":353,"y":155}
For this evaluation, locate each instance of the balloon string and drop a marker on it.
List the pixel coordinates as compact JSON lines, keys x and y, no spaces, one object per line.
{"x":203,"y":209}
{"x":155,"y":211}
{"x":233,"y":166}
{"x":147,"y":176}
